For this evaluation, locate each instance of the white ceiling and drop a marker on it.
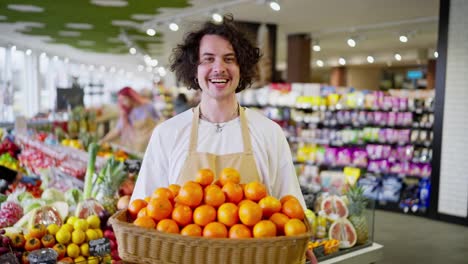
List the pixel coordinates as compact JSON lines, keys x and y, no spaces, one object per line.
{"x":330,"y":21}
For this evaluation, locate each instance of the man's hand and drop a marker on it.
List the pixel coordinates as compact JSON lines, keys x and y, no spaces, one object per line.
{"x":311,"y":257}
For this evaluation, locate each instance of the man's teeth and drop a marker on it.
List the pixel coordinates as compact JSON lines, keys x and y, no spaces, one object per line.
{"x":219,"y":80}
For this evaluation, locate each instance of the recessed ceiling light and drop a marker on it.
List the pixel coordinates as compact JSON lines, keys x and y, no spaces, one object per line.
{"x":66,"y":33}
{"x":43,"y":55}
{"x":86,"y":42}
{"x":316,"y":47}
{"x":397,"y":57}
{"x":151,"y":32}
{"x":275,"y":6}
{"x":342,"y":61}
{"x":132,"y":51}
{"x":370,"y":59}
{"x":79,"y":26}
{"x":173,"y":26}
{"x":55,"y":58}
{"x":113,"y":3}
{"x":26,"y":8}
{"x":33,"y":24}
{"x":403,"y":38}
{"x":436,"y":54}
{"x":28,"y":52}
{"x":320,"y":63}
{"x":218,"y":18}
{"x":351,"y":42}
{"x":142,"y":17}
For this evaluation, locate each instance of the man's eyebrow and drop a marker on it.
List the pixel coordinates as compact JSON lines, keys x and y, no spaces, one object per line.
{"x":207,"y":54}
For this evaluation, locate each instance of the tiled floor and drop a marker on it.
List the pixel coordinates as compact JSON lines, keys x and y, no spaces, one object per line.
{"x":411,"y":239}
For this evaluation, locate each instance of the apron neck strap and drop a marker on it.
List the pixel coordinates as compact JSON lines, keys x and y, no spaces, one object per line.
{"x":244,"y":130}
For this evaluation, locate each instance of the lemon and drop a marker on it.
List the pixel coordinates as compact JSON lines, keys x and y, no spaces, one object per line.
{"x":99,"y":232}
{"x":80,"y":260}
{"x":107,"y":259}
{"x":67,"y":227}
{"x":78,"y":237}
{"x":93,"y":221}
{"x":91,"y":234}
{"x":93,"y":260}
{"x":63,"y":236}
{"x":71,"y":220}
{"x":81,"y":224}
{"x":85,"y":249}
{"x":73,"y":250}
{"x":53,"y":229}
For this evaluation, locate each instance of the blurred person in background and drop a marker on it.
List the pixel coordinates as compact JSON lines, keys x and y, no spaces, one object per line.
{"x":181,"y":104}
{"x":136,"y":122}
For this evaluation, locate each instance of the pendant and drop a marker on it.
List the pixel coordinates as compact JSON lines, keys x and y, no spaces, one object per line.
{"x":219,"y":128}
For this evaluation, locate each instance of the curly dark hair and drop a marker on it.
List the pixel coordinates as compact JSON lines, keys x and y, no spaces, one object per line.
{"x":185,"y":57}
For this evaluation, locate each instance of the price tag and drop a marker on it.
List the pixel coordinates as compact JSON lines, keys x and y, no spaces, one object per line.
{"x":43,"y":256}
{"x":99,"y":247}
{"x":9,"y":258}
{"x":351,"y":175}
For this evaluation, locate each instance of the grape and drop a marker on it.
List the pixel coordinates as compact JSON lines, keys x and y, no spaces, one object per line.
{"x":2,"y":231}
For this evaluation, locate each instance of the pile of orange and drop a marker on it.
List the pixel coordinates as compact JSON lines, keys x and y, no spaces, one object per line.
{"x":221,"y":209}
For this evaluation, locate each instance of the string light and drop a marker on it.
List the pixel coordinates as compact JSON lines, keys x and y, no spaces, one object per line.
{"x":132,"y":51}
{"x":275,"y":6}
{"x":370,"y":59}
{"x":319,"y":63}
{"x":342,"y":61}
{"x":217,"y":18}
{"x":351,"y":42}
{"x":403,"y":38}
{"x":150,"y":32}
{"x":173,"y":26}
{"x":397,"y":57}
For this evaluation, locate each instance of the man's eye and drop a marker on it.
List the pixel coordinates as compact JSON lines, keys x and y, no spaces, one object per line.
{"x":230,"y":59}
{"x":207,"y":59}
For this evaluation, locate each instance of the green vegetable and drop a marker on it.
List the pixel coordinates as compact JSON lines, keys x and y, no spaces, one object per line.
{"x":88,"y":184}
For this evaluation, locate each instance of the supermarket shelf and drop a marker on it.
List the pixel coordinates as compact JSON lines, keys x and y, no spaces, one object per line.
{"x":365,"y":254}
{"x":363,"y":144}
{"x":394,"y":207}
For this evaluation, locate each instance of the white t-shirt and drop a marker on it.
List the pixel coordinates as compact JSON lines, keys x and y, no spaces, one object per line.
{"x":169,"y":143}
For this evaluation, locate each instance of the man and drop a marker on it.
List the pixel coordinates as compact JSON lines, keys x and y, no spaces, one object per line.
{"x":218,"y":133}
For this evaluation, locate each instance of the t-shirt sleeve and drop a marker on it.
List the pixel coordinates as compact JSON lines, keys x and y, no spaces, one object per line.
{"x":154,"y":168}
{"x":286,"y":181}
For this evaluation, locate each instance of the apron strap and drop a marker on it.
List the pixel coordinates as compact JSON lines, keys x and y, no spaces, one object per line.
{"x":244,"y":130}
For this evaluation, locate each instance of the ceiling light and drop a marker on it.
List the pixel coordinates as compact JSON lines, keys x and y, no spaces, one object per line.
{"x":342,"y":61}
{"x":403,"y":38}
{"x":351,"y":42}
{"x":217,"y":18}
{"x":370,"y":59}
{"x":132,"y":51}
{"x":151,"y":32}
{"x":173,"y":26}
{"x":316,"y":47}
{"x":91,"y":67}
{"x":397,"y":57}
{"x":26,"y":8}
{"x":28,"y":52}
{"x":110,"y":3}
{"x":141,"y":67}
{"x":13,"y":48}
{"x":436,"y":54}
{"x":320,"y":63}
{"x":275,"y":6}
{"x":66,"y":60}
{"x":55,"y":58}
{"x":102,"y":69}
{"x":84,"y":26}
{"x":154,"y":63}
{"x":162,"y":72}
{"x":43,"y":55}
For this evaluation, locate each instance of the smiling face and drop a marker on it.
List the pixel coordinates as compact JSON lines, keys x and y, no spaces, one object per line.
{"x":218,"y":71}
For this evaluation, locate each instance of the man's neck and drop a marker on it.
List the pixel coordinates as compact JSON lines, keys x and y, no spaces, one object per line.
{"x":219,"y":111}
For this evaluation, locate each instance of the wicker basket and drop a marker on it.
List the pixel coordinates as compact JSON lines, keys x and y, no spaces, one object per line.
{"x":140,"y":245}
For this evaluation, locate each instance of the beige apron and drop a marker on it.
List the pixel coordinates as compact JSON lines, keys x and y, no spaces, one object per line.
{"x":244,"y":162}
{"x":137,"y":137}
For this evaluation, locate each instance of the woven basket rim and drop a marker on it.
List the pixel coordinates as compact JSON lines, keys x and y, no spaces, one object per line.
{"x":117,"y":223}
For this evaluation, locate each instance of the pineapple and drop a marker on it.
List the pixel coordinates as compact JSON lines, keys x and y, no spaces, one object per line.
{"x":356,"y":207}
{"x":107,"y":183}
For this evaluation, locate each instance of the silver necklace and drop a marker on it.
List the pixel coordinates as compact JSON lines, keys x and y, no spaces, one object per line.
{"x":219,"y":127}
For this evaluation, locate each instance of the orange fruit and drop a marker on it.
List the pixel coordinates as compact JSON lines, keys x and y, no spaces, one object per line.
{"x":250,"y":213}
{"x":280,"y":220}
{"x":168,"y":226}
{"x":239,"y":231}
{"x":163,"y":193}
{"x":243,"y":202}
{"x":147,"y":199}
{"x":204,"y":214}
{"x":233,"y":192}
{"x":264,"y":228}
{"x":190,"y":194}
{"x":159,"y":208}
{"x":255,"y":191}
{"x":229,"y":175}
{"x":294,"y":227}
{"x":228,"y":214}
{"x":269,"y":205}
{"x":218,"y":183}
{"x":135,"y":206}
{"x":182,"y":214}
{"x":214,"y":196}
{"x":142,"y":212}
{"x":145,"y":221}
{"x":286,"y":198}
{"x":293,"y":209}
{"x":192,"y":230}
{"x":204,"y":177}
{"x":215,"y":230}
{"x":174,"y":189}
